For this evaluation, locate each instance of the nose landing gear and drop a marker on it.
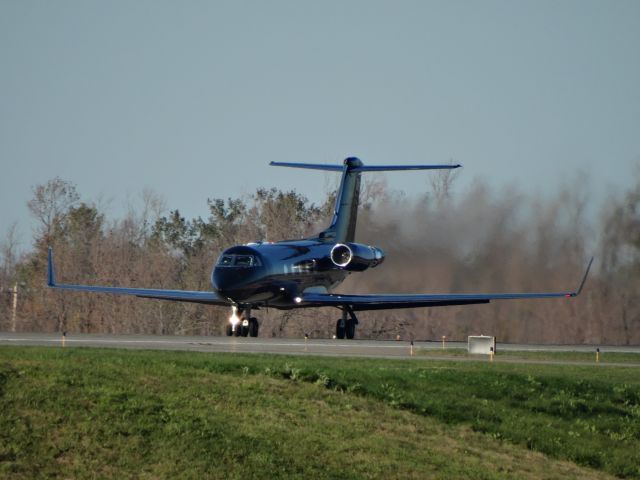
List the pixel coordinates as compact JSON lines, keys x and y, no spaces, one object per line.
{"x":242,"y":324}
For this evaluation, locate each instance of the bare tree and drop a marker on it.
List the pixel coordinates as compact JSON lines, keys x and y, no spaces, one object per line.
{"x":50,"y":205}
{"x":441,"y":183}
{"x":620,"y":264}
{"x":9,"y":253}
{"x":8,"y":263}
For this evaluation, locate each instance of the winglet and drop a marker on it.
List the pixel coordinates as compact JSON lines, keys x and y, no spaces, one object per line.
{"x":584,"y":279}
{"x":51,"y":274}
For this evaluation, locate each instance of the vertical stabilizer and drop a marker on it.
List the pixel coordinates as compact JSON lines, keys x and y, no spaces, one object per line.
{"x":343,"y":224}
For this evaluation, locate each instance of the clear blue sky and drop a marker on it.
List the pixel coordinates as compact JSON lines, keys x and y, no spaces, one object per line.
{"x":194,"y":98}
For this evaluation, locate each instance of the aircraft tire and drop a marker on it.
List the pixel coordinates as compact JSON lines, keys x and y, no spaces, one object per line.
{"x":254,"y":326}
{"x":340,"y":329}
{"x":244,"y":331}
{"x":229,"y":330}
{"x":238,"y":331}
{"x":350,"y":329}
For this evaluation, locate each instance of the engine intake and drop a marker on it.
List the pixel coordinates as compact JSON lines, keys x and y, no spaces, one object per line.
{"x":355,"y":256}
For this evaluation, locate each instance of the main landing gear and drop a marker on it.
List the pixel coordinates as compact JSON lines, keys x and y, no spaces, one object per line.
{"x":242,"y":324}
{"x":346,"y":327}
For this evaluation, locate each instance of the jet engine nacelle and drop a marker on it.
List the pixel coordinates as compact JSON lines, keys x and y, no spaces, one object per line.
{"x":355,"y":256}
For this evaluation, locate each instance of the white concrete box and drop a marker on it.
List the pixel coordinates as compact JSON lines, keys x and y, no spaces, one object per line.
{"x":481,"y":344}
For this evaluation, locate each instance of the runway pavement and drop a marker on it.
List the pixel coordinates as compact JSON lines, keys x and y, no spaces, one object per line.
{"x":354,"y":348}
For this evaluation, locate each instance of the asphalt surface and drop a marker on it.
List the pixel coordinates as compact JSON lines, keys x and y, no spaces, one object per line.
{"x":346,"y":348}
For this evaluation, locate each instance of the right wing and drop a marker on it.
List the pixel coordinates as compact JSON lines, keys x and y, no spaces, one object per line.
{"x":210,"y":298}
{"x":391,"y":301}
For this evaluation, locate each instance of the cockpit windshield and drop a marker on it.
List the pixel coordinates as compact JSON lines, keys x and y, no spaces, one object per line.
{"x":238,"y":261}
{"x":226,"y":261}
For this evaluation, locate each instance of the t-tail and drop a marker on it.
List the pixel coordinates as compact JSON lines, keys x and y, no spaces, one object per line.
{"x":343,"y":224}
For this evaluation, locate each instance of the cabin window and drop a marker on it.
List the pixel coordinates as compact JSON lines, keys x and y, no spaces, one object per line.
{"x":305,"y":266}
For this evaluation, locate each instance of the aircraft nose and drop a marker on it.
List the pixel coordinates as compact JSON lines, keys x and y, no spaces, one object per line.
{"x":233,"y":283}
{"x":224,"y":280}
{"x":236,"y":272}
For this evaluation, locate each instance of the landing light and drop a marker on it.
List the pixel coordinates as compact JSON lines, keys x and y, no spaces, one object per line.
{"x":297,"y":299}
{"x":234,"y":319}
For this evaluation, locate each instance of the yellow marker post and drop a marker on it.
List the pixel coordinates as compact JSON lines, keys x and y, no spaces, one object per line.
{"x":411,"y":348}
{"x":597,"y":355}
{"x":306,"y":338}
{"x":491,"y":353}
{"x":64,"y":338}
{"x":443,"y":339}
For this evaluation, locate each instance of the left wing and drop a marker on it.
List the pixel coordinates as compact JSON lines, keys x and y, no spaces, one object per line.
{"x":390,"y":301}
{"x":211,"y":298}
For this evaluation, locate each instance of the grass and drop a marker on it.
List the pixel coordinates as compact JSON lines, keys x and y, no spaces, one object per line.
{"x":94,"y":413}
{"x":539,"y":356}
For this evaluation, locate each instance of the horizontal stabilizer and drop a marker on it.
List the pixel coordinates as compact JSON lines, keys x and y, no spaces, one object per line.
{"x":391,"y":168}
{"x":363,"y":168}
{"x":311,"y":166}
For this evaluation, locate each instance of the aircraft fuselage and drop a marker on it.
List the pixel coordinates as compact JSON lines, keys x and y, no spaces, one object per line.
{"x":275,"y":274}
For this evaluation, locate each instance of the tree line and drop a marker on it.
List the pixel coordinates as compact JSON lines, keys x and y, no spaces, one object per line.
{"x":446,"y":240}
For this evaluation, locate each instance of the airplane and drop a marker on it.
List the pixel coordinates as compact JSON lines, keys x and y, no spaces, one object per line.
{"x":293,"y":274}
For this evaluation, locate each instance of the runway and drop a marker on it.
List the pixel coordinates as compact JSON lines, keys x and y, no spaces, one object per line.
{"x":285,"y":346}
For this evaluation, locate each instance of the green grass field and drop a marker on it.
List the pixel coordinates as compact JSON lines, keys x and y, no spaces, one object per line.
{"x":93,"y":413}
{"x":604,"y":358}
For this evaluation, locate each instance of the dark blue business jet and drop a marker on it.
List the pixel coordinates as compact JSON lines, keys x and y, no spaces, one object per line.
{"x":301,"y":273}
